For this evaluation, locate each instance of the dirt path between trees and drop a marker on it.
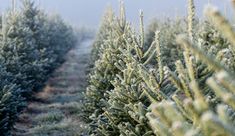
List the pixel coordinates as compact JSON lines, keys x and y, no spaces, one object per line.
{"x":55,"y":113}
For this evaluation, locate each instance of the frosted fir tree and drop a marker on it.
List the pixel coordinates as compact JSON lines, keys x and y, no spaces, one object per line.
{"x":194,"y":112}
{"x":199,"y":100}
{"x":97,"y":93}
{"x":103,"y":34}
{"x":19,"y":50}
{"x":61,"y":38}
{"x":135,"y":89}
{"x":169,"y":28}
{"x":31,"y":46}
{"x":32,"y":21}
{"x":11,"y":101}
{"x":103,"y":72}
{"x":23,"y":48}
{"x":125,"y":106}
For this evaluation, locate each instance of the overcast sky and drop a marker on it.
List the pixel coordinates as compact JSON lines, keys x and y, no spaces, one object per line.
{"x":89,"y":12}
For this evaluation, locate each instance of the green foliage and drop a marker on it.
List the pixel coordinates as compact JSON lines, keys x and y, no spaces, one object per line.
{"x":169,"y":29}
{"x":117,"y":81}
{"x":104,"y":70}
{"x":163,"y":86}
{"x":11,"y":102}
{"x":103,"y":34}
{"x":32,"y":45}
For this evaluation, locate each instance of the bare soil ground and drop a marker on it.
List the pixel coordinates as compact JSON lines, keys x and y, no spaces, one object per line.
{"x":55,"y":112}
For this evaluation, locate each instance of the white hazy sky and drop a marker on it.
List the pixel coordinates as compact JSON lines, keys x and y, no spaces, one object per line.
{"x":88,"y":12}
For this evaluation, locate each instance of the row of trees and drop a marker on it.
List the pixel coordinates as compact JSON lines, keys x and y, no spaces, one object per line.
{"x":32,"y":45}
{"x":162,"y":83}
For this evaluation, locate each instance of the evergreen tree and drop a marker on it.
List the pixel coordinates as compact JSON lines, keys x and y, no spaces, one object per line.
{"x":116,"y":107}
{"x":11,"y":102}
{"x":103,"y":34}
{"x":19,"y":52}
{"x":139,"y":97}
{"x":32,"y":44}
{"x":205,"y":107}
